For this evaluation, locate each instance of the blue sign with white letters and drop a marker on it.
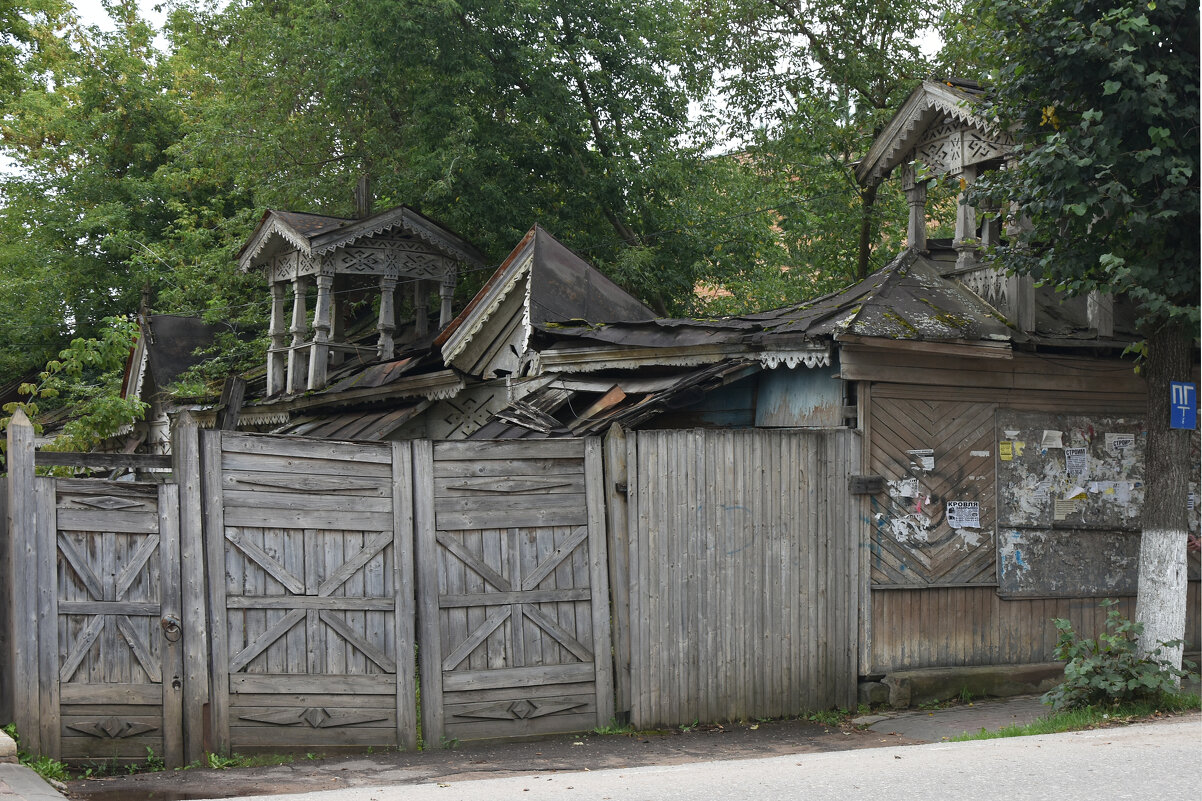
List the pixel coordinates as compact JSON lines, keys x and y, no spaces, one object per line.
{"x":1183,"y":409}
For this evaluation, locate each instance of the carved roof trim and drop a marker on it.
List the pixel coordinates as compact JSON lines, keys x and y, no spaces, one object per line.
{"x":929,"y":102}
{"x":315,"y":234}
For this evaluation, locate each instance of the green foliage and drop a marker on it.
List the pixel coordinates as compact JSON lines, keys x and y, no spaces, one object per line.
{"x":613,"y":727}
{"x":1090,"y":717}
{"x":828,"y":717}
{"x":86,"y":378}
{"x":1109,"y":669}
{"x":1102,"y":100}
{"x":47,"y":768}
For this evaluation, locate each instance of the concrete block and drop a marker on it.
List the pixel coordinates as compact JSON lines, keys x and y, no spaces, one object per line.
{"x":8,"y":749}
{"x":872,"y":693}
{"x":933,"y":685}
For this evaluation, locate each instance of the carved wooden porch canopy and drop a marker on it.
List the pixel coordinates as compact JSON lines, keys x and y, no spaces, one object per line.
{"x":395,"y":249}
{"x":939,"y":131}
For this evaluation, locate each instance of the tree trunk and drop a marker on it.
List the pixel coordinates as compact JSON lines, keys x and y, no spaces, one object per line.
{"x":867,"y":201}
{"x":1161,"y":601}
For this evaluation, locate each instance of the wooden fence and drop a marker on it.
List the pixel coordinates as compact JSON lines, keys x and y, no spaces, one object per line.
{"x":740,"y":559}
{"x":272,"y":592}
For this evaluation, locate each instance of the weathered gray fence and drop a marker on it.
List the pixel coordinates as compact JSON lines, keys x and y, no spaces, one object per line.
{"x":273,"y":592}
{"x":737,"y":597}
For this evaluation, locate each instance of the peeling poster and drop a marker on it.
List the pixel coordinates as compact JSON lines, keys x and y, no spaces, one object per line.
{"x":1119,"y":443}
{"x":964,"y":514}
{"x":1076,"y":461}
{"x":1051,"y":439}
{"x":1005,"y":450}
{"x":923,"y":458}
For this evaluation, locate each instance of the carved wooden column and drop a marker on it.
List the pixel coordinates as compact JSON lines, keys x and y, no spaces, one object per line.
{"x":446,"y":293}
{"x":296,"y":365}
{"x":916,"y":198}
{"x":277,"y":354}
{"x":421,"y":308}
{"x":319,"y":352}
{"x":386,"y":346}
{"x":965,"y":242}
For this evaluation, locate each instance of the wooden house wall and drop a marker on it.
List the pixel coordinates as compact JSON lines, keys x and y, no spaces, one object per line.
{"x":944,"y":608}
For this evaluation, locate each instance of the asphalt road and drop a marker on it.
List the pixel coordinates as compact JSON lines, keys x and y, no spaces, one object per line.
{"x":1160,"y":761}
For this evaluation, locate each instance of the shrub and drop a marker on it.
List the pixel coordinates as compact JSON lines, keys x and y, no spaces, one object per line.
{"x":1109,"y":670}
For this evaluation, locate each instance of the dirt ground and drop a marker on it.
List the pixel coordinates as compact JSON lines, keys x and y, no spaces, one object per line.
{"x":489,"y":759}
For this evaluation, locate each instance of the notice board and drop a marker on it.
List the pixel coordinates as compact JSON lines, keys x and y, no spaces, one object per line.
{"x":1070,"y":495}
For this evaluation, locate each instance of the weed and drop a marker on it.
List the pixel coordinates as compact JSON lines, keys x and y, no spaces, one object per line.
{"x":449,"y":743}
{"x":828,"y":717}
{"x":1110,"y":669}
{"x":965,"y":696}
{"x":47,"y":768}
{"x":685,"y":728}
{"x":615,"y":728}
{"x":1089,"y":717}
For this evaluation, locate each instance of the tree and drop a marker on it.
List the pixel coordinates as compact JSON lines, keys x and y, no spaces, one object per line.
{"x":1102,"y":99}
{"x":816,"y":82}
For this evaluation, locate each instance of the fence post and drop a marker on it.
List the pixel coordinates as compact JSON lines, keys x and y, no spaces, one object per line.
{"x":23,"y":591}
{"x":186,"y":453}
{"x":618,"y":545}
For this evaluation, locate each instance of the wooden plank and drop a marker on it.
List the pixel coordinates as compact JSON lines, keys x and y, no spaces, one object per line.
{"x":564,"y":549}
{"x":475,"y":638}
{"x":264,"y":560}
{"x":525,"y":518}
{"x":343,"y":602}
{"x":248,"y":463}
{"x":456,"y":547}
{"x":481,"y":450}
{"x":146,"y":492}
{"x":307,"y":448}
{"x":405,"y":611}
{"x":528,"y":692}
{"x":549,"y":483}
{"x":355,"y":638}
{"x":426,"y":570}
{"x":530,"y":727}
{"x":287,"y":699}
{"x":171,"y":597}
{"x":47,"y":600}
{"x":308,"y":501}
{"x":517,"y":677}
{"x":285,"y":738}
{"x":22,"y":516}
{"x":372,"y":546}
{"x":102,"y":461}
{"x":300,"y":518}
{"x":617,"y":545}
{"x":527,"y":596}
{"x":263,"y":640}
{"x":111,"y":694}
{"x":563,"y":468}
{"x":215,"y":568}
{"x":7,"y":582}
{"x":368,"y":684}
{"x":481,"y":504}
{"x":258,"y":481}
{"x":116,"y":521}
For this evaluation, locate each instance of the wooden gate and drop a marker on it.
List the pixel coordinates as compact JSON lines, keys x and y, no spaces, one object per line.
{"x":110,"y":661}
{"x":309,"y":558}
{"x":515,"y":636}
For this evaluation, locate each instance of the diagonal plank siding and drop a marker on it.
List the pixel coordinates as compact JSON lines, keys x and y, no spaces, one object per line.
{"x":912,"y":544}
{"x":743,"y":574}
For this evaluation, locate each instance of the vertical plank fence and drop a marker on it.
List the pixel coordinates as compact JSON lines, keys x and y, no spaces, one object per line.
{"x":743,"y":574}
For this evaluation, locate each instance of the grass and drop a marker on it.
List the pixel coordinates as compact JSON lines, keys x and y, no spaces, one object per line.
{"x":1092,"y":717}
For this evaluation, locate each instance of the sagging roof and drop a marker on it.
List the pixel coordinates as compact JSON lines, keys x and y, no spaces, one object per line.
{"x":582,"y":405}
{"x":317,"y":234}
{"x":907,"y":299}
{"x":167,"y":347}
